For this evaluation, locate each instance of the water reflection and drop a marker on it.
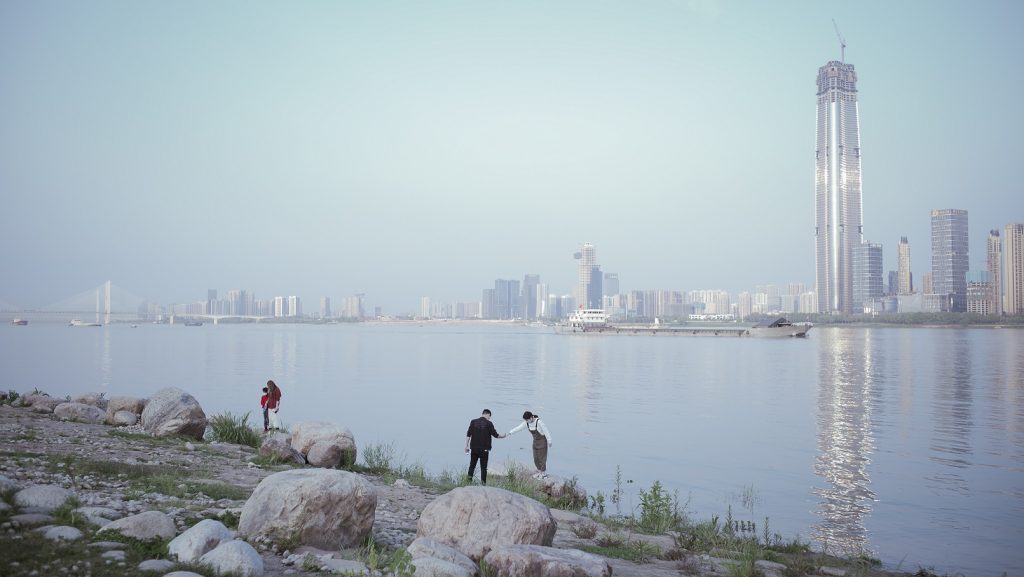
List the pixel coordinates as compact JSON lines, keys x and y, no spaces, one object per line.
{"x":847,"y":371}
{"x":950,"y":446}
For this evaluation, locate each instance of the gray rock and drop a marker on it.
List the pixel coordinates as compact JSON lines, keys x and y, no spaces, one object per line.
{"x":79,"y":412}
{"x":770,"y":568}
{"x":476,"y":520}
{"x":326,"y":454}
{"x":44,"y":407}
{"x":99,"y":516}
{"x":156,"y":565}
{"x":107,"y":545}
{"x":114,"y":555}
{"x":148,"y":526}
{"x":431,"y":567}
{"x":427,"y":547}
{"x":305,"y":434}
{"x":123,"y":419}
{"x":278,"y":446}
{"x":324,"y":508}
{"x":95,"y":399}
{"x":183,"y":574}
{"x":43,"y":497}
{"x":133,"y":405}
{"x":62,"y":532}
{"x":172,"y":411}
{"x":343,"y":566}
{"x":4,"y":507}
{"x":7,"y":485}
{"x":235,"y":557}
{"x":558,"y":487}
{"x":42,"y":400}
{"x":538,"y":561}
{"x":199,"y":540}
{"x":30,"y":520}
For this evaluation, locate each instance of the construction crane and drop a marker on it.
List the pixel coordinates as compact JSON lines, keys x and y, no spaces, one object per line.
{"x":842,"y":42}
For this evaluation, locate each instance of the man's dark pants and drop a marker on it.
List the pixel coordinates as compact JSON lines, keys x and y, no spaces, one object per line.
{"x":474,"y":456}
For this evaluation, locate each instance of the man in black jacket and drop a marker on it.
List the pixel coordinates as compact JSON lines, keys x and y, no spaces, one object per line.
{"x":478,"y":440}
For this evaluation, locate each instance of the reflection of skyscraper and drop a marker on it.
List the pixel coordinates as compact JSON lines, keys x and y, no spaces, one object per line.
{"x":848,"y":371}
{"x":838,"y":221}
{"x":949,"y":256}
{"x":1013,"y":269}
{"x":904,"y":281}
{"x":994,"y":257}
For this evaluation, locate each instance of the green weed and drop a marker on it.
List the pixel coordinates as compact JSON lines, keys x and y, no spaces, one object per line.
{"x":230,"y":428}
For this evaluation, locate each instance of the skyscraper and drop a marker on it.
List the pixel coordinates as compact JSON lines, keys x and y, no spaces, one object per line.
{"x":838,"y":221}
{"x":994,"y":257}
{"x":1013,"y":269}
{"x":903,"y":279}
{"x":529,"y":301}
{"x":587,"y":262}
{"x":950,"y":260}
{"x":867,"y":275}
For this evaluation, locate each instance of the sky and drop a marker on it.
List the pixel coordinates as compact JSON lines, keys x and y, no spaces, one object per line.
{"x":411,"y":149}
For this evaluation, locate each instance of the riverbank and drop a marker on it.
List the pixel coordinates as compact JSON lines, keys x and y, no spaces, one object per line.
{"x":115,"y":472}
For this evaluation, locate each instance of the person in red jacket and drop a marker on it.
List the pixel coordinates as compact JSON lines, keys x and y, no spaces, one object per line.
{"x":273,"y":405}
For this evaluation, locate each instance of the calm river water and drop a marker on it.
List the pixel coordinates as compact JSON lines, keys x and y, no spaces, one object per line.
{"x":907,"y":443}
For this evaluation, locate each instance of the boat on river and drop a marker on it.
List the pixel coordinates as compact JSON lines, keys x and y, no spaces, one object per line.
{"x":81,"y":323}
{"x":19,"y":322}
{"x":595,"y":322}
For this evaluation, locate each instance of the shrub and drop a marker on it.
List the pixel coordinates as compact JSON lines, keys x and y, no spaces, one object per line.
{"x":584,"y":529}
{"x":658,"y":510}
{"x":229,"y":428}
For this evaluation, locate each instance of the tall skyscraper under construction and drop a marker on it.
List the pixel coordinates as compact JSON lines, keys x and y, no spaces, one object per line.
{"x":838,"y":221}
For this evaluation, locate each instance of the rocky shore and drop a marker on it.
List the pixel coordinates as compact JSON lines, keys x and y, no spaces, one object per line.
{"x":122,"y":486}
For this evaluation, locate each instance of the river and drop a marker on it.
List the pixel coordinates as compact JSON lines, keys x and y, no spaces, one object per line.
{"x":904,"y":443}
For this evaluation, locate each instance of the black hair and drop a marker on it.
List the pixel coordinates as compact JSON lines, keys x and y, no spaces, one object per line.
{"x":264,"y":389}
{"x":528,"y":415}
{"x":487,"y":412}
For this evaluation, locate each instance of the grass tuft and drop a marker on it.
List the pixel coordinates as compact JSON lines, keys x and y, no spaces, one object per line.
{"x":230,"y":428}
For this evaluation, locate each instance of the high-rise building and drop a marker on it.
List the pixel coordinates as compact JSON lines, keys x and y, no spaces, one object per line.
{"x":904,"y":282}
{"x":1013,"y":269}
{"x":979,"y":292}
{"x":950,"y":260}
{"x":325,"y":307}
{"x":994,"y":258}
{"x":611,"y":283}
{"x":531,"y":283}
{"x":587,"y":261}
{"x":506,"y":299}
{"x":425,"y":307}
{"x":838,"y":220}
{"x":892,"y":286}
{"x":867,"y":276}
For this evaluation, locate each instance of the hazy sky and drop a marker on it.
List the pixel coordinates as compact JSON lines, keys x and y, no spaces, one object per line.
{"x":408,"y":149}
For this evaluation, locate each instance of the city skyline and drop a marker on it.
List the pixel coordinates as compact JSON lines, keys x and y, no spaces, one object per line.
{"x":402,"y":151}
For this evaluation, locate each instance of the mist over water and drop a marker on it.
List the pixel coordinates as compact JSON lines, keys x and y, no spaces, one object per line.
{"x":907,"y":443}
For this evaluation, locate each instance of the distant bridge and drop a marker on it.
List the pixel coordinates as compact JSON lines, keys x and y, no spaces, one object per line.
{"x":107,"y":302}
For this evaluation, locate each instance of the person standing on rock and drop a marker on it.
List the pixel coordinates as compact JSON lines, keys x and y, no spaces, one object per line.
{"x":478,"y":443}
{"x":273,"y":405}
{"x":541,"y":441}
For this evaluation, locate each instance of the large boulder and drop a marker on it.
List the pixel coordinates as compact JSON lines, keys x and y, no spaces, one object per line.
{"x":426,"y":548}
{"x":42,"y":497}
{"x":537,"y":561}
{"x":172,"y":411}
{"x":235,"y":558}
{"x":279,"y":446}
{"x":121,"y":403}
{"x":324,"y":508}
{"x":306,"y":434}
{"x":79,"y":412}
{"x":432,"y":567}
{"x":148,"y":526}
{"x":95,"y":399}
{"x":199,"y":540}
{"x":123,"y":419}
{"x":476,"y":520}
